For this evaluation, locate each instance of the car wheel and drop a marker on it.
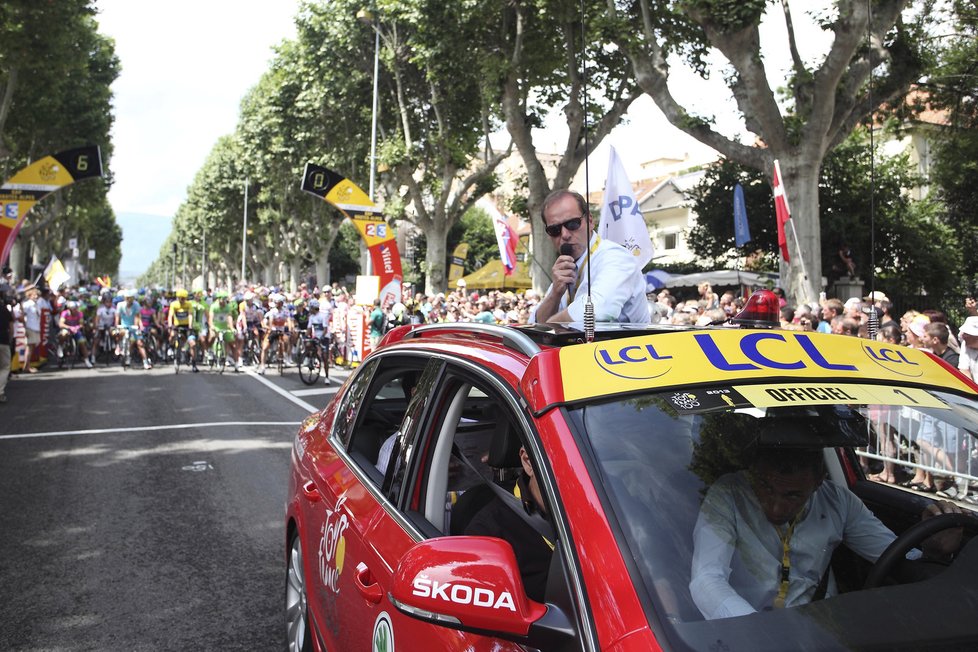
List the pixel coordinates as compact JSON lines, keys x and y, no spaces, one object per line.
{"x":296,"y":609}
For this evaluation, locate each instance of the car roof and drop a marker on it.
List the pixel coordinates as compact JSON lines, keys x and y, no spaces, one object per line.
{"x":562,"y":368}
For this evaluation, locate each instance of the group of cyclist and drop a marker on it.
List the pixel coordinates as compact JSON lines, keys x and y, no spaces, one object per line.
{"x":157,"y":326}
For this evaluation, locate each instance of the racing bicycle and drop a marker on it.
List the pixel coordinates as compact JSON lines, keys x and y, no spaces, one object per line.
{"x":311,"y":359}
{"x":181,"y":348}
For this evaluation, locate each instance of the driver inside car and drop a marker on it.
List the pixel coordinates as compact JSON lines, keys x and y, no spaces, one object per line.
{"x":764,"y":536}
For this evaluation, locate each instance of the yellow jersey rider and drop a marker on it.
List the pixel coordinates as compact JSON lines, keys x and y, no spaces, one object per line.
{"x":180,"y":319}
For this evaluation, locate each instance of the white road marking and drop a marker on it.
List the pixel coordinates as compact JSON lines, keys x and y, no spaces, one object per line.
{"x":175,"y":426}
{"x":314,"y":391}
{"x":275,"y":388}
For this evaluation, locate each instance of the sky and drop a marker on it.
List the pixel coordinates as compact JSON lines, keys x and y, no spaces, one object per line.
{"x":187,"y":64}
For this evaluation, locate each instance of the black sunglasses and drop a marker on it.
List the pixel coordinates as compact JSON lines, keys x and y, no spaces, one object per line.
{"x":573,"y":224}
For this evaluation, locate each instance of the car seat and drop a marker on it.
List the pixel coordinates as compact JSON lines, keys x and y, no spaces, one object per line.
{"x":504,"y":454}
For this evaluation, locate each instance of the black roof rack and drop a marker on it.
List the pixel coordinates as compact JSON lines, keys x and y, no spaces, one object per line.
{"x":562,"y":334}
{"x":512,"y":338}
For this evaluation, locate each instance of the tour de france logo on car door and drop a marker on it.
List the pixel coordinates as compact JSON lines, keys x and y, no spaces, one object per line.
{"x":383,"y":638}
{"x":332,"y":546}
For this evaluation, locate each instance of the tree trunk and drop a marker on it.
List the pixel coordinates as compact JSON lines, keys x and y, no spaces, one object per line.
{"x":18,"y":258}
{"x":436,"y":256}
{"x":294,"y":269}
{"x":800,"y":179}
{"x":322,"y":271}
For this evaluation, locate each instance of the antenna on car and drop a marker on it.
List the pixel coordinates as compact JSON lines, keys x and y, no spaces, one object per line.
{"x":588,"y":306}
{"x":874,"y":320}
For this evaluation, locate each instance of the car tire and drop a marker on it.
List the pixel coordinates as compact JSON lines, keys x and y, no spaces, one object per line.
{"x":298,"y":635}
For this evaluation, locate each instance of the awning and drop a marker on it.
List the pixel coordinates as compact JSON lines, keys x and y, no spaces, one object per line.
{"x":492,"y":276}
{"x":724,"y":277}
{"x":656,"y":280}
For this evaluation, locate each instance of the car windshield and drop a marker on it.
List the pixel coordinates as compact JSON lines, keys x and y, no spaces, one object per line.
{"x":666,"y":458}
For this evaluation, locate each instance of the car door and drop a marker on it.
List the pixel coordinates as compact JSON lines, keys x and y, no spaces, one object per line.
{"x":346,"y":496}
{"x":460,"y":415}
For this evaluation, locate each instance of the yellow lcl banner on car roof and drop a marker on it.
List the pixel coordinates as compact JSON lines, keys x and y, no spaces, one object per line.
{"x":723,"y":356}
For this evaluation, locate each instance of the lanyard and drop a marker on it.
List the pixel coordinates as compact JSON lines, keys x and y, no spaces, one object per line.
{"x":784,"y":569}
{"x":587,"y":261}
{"x":518,"y":494}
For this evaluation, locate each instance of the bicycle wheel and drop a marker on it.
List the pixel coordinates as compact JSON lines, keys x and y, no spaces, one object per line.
{"x":126,"y":350}
{"x":107,"y":347}
{"x":177,"y":354}
{"x":310,"y":366}
{"x":149,"y":343}
{"x":281,"y":355}
{"x":220,"y":355}
{"x":70,"y":352}
{"x":253,"y":352}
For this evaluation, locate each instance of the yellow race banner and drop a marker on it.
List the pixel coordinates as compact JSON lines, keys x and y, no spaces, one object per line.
{"x":39,"y":179}
{"x":456,"y":269}
{"x":733,"y":356}
{"x":376,"y":233}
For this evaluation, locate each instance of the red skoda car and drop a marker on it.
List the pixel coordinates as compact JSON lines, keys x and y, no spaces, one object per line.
{"x":478,"y":487}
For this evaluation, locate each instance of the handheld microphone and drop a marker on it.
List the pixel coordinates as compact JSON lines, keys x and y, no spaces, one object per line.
{"x":567,"y":249}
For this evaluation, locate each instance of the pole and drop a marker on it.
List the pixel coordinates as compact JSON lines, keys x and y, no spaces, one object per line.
{"x":203,"y":262}
{"x":373,"y":138}
{"x":373,"y":119}
{"x":801,"y":259}
{"x":244,"y":232}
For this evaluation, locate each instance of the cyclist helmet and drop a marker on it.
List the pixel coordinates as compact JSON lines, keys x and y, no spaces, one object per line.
{"x":221,"y":295}
{"x":313,"y":304}
{"x":71,"y":305}
{"x":300,"y":302}
{"x":181,"y":294}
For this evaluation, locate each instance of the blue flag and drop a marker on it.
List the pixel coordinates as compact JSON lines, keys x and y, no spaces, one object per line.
{"x":741,"y":230}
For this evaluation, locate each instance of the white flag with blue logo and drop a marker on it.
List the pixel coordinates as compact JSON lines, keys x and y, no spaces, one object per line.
{"x":621,"y":219}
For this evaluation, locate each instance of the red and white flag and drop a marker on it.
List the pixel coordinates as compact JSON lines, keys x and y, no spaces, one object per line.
{"x":781,"y":211}
{"x":506,"y":239}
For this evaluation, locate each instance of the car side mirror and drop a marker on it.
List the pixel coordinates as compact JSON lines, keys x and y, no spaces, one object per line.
{"x":473,"y":584}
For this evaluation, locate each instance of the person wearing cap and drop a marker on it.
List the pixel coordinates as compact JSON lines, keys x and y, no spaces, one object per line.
{"x":32,"y":324}
{"x":765,"y":535}
{"x":277,"y":323}
{"x":915,"y":332}
{"x":221,"y":317}
{"x":127,"y":318}
{"x":968,"y":356}
{"x":180,"y":318}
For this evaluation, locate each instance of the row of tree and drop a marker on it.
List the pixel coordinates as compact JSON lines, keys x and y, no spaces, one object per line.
{"x":56,"y":71}
{"x":452,"y":74}
{"x":908,"y":233}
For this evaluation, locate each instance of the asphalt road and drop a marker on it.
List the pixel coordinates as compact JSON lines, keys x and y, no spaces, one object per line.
{"x":143,"y":510}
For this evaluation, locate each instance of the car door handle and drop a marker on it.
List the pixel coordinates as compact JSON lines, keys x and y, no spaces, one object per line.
{"x":310,"y":492}
{"x":366,"y":584}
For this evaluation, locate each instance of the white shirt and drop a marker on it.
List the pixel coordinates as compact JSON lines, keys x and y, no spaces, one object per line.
{"x":617,"y":286}
{"x":318,"y":322}
{"x":105,"y":316}
{"x":968,"y":361}
{"x":737,"y":552}
{"x":32,"y":314}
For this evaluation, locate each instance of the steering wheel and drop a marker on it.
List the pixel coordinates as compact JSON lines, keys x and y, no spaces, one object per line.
{"x":911,"y":538}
